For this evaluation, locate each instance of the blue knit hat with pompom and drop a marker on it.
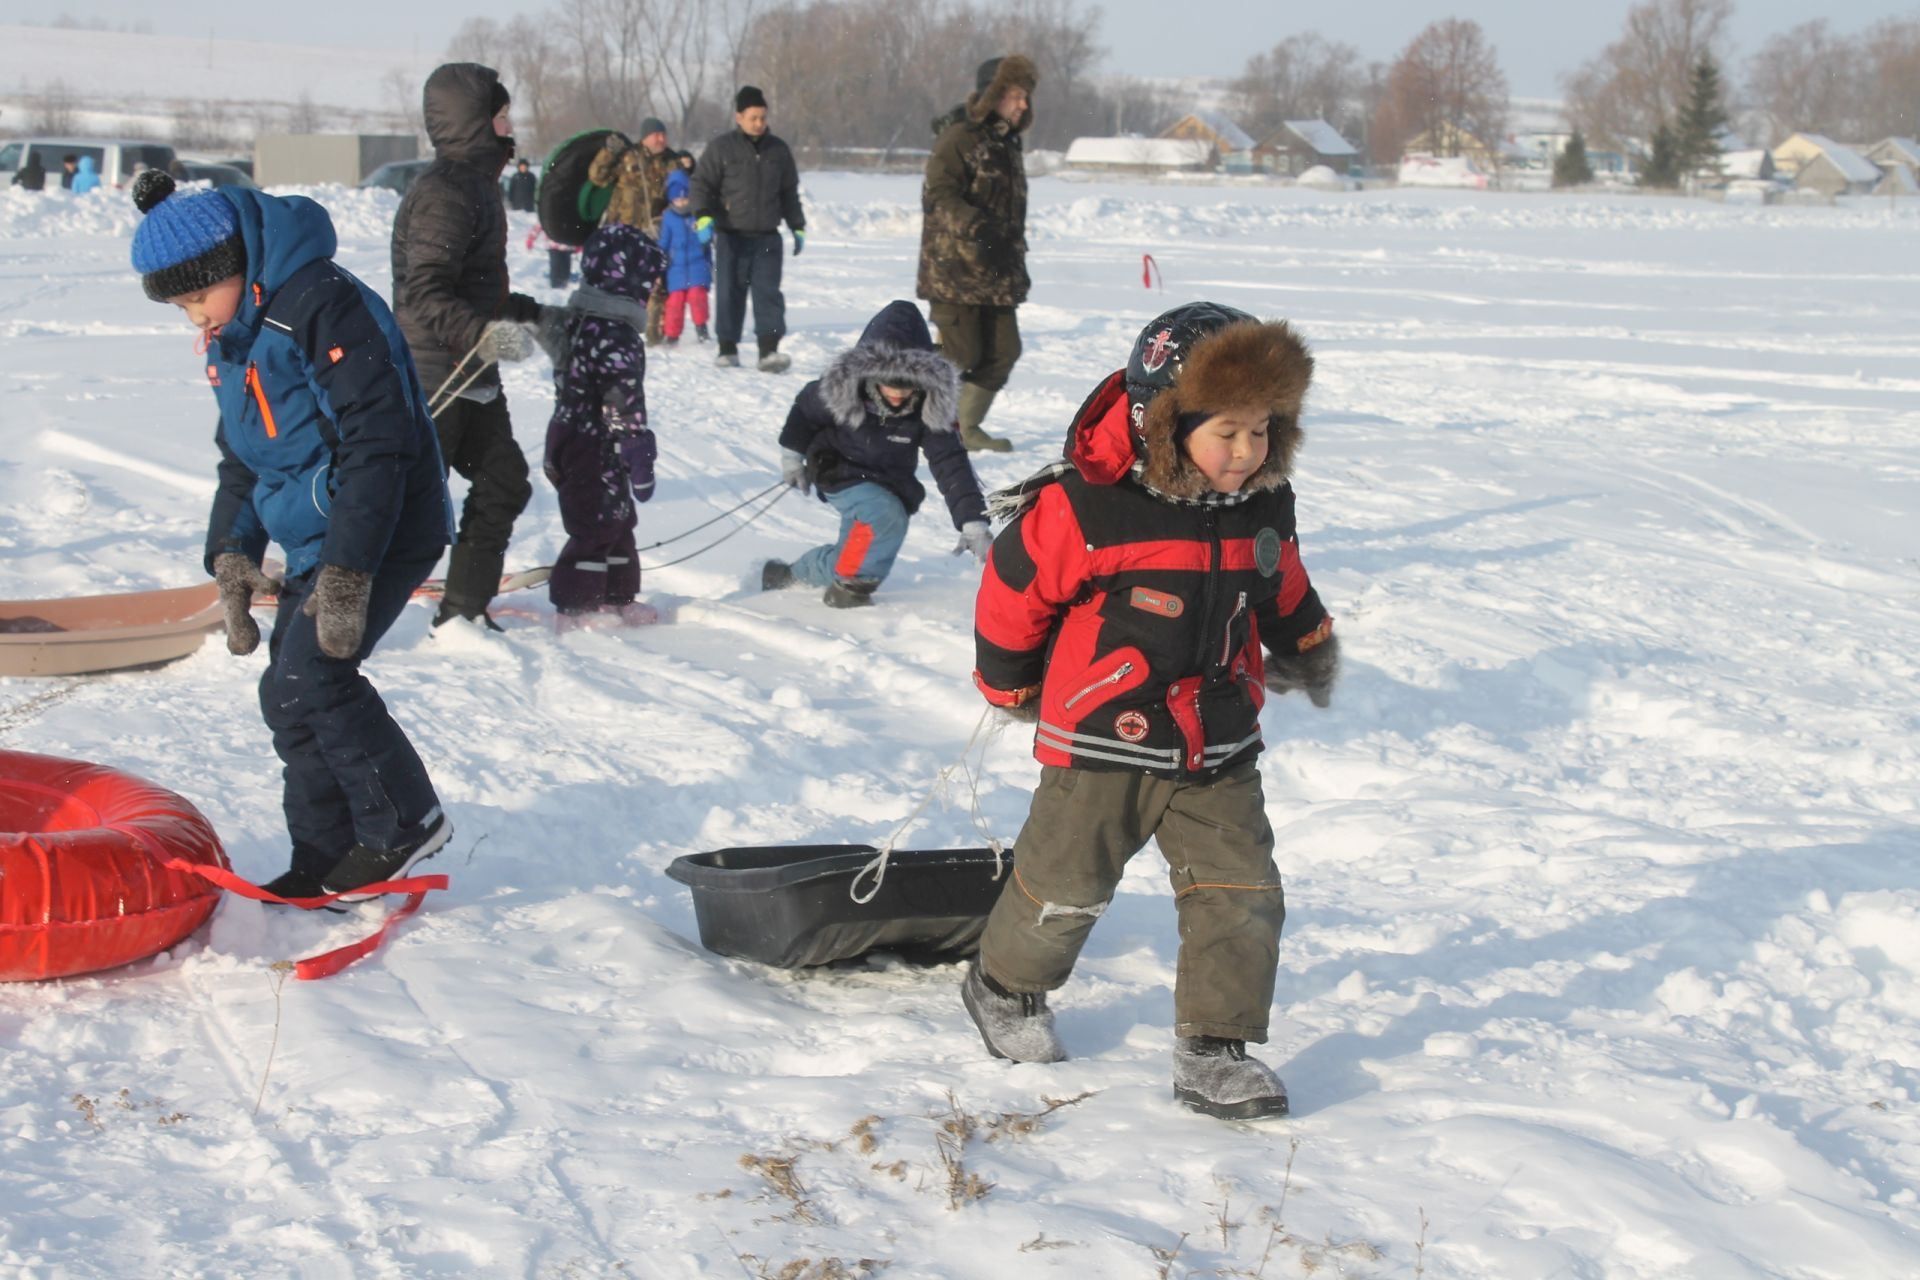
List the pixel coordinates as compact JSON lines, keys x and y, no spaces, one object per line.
{"x":186,"y":242}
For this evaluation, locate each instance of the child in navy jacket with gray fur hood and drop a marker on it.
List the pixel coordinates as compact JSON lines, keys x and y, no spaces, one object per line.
{"x":855,"y":436}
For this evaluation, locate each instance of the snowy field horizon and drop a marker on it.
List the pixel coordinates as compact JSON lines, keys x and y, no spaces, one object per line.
{"x":1603,"y":947}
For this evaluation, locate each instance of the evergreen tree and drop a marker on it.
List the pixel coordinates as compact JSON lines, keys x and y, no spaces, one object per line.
{"x":1696,"y":141}
{"x":1662,"y":167}
{"x":1570,"y":167}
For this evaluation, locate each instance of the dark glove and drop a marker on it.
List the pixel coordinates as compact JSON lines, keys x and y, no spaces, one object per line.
{"x":550,"y":331}
{"x":639,"y":450}
{"x":239,"y":580}
{"x":799,"y":242}
{"x":338,"y":607}
{"x":1313,"y":671}
{"x":794,"y":470}
{"x":617,"y":144}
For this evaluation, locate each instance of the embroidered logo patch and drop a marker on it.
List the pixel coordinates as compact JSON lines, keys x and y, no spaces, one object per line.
{"x":1155,"y":356}
{"x":1266,"y":552}
{"x":1130,"y":725}
{"x":1156,"y":602}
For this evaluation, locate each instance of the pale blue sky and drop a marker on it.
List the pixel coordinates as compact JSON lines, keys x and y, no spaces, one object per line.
{"x":1538,"y":42}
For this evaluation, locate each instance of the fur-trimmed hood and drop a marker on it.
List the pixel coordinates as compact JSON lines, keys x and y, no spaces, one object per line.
{"x":896,"y":348}
{"x":1013,"y":70}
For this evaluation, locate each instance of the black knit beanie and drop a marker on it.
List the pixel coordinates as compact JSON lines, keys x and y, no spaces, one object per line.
{"x":749,"y":96}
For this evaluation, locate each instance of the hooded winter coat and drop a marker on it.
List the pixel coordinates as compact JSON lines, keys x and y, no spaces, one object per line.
{"x":848,"y":434}
{"x":450,"y":235}
{"x":973,"y":234}
{"x":87,"y":176}
{"x":691,"y":266}
{"x":1136,"y":601}
{"x":31,"y":176}
{"x":325,"y":443}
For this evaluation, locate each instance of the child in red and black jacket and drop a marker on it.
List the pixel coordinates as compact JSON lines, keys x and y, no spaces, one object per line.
{"x":1125,"y":610}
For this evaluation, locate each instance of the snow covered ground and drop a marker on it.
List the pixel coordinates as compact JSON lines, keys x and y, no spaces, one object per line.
{"x":1603,"y":956}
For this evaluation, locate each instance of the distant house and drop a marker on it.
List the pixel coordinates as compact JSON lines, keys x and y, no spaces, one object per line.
{"x":1141,"y":155}
{"x":1897,"y":180}
{"x":1904,"y":152}
{"x":1756,"y":164}
{"x":1489,"y":155}
{"x":1232,"y":143}
{"x":1299,"y":145}
{"x":1819,"y":164}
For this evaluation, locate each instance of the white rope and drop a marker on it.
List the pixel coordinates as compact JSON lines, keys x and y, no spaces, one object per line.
{"x":985,"y":730}
{"x":435,"y":402}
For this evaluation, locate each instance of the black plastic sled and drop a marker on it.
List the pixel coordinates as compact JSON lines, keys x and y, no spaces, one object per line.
{"x":790,"y":905}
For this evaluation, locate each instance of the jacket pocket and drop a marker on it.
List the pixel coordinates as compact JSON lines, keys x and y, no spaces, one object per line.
{"x":1122,"y":670}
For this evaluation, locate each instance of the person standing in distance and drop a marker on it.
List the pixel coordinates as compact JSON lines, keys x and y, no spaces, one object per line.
{"x":451,"y":297}
{"x":744,"y":185}
{"x":973,"y":238}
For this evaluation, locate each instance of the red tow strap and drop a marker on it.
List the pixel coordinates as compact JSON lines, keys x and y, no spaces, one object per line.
{"x":327,"y":963}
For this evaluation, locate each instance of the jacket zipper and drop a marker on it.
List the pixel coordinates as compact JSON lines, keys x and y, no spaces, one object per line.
{"x":1115,"y":678}
{"x":1226,"y":643}
{"x":260,"y":396}
{"x":1212,"y":587}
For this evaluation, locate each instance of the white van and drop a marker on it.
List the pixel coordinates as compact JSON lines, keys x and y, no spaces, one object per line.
{"x":116,"y":160}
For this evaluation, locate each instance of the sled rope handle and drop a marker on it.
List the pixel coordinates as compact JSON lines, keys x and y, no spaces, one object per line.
{"x":436,"y":404}
{"x":784,"y":488}
{"x":684,"y":533}
{"x":985,"y":730}
{"x":327,"y":963}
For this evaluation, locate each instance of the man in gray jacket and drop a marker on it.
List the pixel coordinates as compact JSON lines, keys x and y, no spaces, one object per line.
{"x":743,"y":186}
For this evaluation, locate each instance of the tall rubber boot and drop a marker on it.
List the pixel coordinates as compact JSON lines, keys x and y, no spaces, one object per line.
{"x":974,"y":403}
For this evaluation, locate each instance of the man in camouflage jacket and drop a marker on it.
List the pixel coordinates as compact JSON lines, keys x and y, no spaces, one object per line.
{"x":973,"y":239}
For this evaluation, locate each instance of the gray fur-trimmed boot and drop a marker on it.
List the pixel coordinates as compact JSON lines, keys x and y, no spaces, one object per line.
{"x":1015,"y":1025}
{"x":1217,"y":1078}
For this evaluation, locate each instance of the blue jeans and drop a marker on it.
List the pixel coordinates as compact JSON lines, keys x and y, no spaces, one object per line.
{"x":748,"y":262}
{"x":351,"y":776}
{"x":873,"y":524}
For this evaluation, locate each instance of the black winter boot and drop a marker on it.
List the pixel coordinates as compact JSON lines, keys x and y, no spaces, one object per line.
{"x":1217,"y":1078}
{"x":1015,"y":1025}
{"x":775,"y":574}
{"x":364,"y":865}
{"x":728,"y":355}
{"x":851,"y":593}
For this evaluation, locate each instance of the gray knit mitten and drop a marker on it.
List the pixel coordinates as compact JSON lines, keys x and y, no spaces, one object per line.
{"x":239,"y":578}
{"x":338,"y":607}
{"x":1312,"y":672}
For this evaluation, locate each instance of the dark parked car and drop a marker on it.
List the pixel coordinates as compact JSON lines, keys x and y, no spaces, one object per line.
{"x":396,"y":175}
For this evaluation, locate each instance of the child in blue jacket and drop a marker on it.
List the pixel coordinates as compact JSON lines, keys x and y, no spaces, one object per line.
{"x":326,"y":448}
{"x":690,"y":269}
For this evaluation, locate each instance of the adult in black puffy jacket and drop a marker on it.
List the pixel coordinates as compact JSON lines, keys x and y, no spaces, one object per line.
{"x":856,"y":435}
{"x":451,"y":297}
{"x":744,"y":186}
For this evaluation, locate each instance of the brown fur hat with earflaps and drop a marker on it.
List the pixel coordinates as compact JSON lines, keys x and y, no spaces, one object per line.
{"x":1205,"y":363}
{"x":995,"y":77}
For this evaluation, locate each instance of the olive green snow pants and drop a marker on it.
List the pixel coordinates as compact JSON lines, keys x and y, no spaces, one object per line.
{"x":1083,"y":828}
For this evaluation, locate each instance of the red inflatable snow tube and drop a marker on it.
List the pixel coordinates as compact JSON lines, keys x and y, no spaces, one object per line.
{"x":83,"y":878}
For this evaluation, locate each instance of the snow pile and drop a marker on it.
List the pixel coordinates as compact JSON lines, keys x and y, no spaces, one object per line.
{"x":1600,"y":868}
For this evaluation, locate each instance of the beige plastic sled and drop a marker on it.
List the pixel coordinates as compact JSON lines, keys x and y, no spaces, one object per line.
{"x":105,"y":633}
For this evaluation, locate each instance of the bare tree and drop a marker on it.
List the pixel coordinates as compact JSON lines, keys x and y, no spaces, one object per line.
{"x":54,"y":109}
{"x":1446,"y":88}
{"x":1890,"y":102}
{"x":1804,"y":80}
{"x":1640,"y":80}
{"x":1304,"y":77}
{"x":480,"y":40}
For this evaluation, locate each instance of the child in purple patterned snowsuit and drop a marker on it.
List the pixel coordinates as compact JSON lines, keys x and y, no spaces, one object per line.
{"x":600,"y":452}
